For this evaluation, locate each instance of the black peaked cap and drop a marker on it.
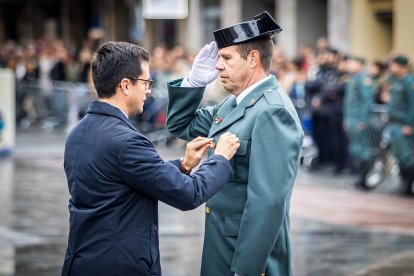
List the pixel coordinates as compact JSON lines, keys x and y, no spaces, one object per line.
{"x":262,"y":26}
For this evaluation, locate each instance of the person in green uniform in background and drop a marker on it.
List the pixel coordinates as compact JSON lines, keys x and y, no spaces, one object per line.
{"x":357,"y":107}
{"x":400,"y":130}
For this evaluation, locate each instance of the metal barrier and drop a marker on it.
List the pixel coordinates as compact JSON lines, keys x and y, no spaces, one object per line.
{"x":61,"y":104}
{"x":51,"y":105}
{"x":377,"y":122}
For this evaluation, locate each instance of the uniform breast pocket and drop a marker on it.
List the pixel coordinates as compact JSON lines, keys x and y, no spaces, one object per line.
{"x":241,"y":161}
{"x":232,"y":225}
{"x":242,"y":150}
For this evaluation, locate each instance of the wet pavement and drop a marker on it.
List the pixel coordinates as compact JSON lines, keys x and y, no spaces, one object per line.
{"x":336,"y":230}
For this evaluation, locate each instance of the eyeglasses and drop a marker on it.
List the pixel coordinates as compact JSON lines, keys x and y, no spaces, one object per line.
{"x":148,"y":83}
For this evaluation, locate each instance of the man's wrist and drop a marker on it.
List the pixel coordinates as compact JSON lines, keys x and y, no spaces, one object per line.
{"x":186,"y":82}
{"x":183,"y":168}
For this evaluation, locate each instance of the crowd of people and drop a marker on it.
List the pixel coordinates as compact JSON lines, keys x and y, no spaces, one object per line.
{"x":44,"y":66}
{"x":316,"y":81}
{"x":334,"y":94}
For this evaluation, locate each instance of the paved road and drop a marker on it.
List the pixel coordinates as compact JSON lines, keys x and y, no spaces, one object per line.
{"x":336,"y":230}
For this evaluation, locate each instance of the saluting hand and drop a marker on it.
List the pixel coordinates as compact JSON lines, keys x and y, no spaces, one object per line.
{"x":203,"y":70}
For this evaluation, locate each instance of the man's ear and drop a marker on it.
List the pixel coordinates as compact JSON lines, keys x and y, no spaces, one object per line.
{"x":254,"y":59}
{"x":124,"y":86}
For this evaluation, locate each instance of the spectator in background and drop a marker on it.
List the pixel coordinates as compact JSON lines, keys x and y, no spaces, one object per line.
{"x":59,"y":61}
{"x":400,"y":130}
{"x":1,"y":126}
{"x":299,"y":97}
{"x":321,"y":105}
{"x":335,"y":91}
{"x":377,"y":71}
{"x":357,"y":109}
{"x":84,"y":62}
{"x":307,"y":57}
{"x":322,"y":45}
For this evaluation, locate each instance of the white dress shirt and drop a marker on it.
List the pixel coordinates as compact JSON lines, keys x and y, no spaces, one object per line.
{"x":249,"y":89}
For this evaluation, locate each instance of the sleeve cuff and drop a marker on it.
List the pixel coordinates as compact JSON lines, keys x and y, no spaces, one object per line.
{"x":186,"y":83}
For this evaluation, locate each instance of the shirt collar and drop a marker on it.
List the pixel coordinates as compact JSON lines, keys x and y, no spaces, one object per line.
{"x":123,"y":112}
{"x":249,"y":89}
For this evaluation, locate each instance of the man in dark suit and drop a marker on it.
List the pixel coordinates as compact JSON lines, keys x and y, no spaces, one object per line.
{"x":116,"y":177}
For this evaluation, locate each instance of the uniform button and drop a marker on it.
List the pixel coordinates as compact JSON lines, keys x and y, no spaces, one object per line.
{"x":208,"y":210}
{"x":262,"y":274}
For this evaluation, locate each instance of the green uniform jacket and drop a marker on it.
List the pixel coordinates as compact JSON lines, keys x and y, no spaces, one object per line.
{"x":358,"y":99}
{"x":401,"y":103}
{"x":401,"y":112}
{"x":247,"y":222}
{"x":357,"y":109}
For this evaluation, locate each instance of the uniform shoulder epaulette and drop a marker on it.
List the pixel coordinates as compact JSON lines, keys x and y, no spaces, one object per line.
{"x":271,"y":96}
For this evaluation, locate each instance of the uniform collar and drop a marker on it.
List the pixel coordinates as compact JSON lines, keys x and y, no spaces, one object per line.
{"x":249,"y":89}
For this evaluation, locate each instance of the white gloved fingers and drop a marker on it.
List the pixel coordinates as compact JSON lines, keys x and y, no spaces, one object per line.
{"x":213,"y":75}
{"x":213,"y":50}
{"x":204,"y":52}
{"x":203,"y":69}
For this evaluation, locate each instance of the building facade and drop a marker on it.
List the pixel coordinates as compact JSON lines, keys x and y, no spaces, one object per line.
{"x":370,"y":28}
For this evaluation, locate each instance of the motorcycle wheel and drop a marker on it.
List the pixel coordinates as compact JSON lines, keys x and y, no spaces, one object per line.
{"x":410,"y":189}
{"x":376,"y":174}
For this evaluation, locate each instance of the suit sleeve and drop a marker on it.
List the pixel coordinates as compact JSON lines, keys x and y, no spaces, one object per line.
{"x":144,"y":170}
{"x":185,"y":119}
{"x":276,"y":144}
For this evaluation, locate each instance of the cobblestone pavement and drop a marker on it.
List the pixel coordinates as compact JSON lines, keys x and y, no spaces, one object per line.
{"x":336,"y":230}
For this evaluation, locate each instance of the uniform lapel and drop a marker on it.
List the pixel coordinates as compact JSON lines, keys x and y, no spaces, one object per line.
{"x":238,"y":112}
{"x":226,"y":107}
{"x":230,"y":118}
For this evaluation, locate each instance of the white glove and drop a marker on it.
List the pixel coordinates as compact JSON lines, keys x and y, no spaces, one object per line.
{"x":203,"y":71}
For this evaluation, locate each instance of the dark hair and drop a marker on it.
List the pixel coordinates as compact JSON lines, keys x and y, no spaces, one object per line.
{"x":382,"y":65}
{"x":265,"y":48}
{"x":115,"y":61}
{"x":401,"y":60}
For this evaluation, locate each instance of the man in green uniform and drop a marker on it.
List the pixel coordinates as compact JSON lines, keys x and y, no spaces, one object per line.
{"x":247,"y":222}
{"x":400,"y":131}
{"x":357,"y":108}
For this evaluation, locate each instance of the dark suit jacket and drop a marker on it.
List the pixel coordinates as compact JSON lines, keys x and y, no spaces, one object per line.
{"x":115,"y":180}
